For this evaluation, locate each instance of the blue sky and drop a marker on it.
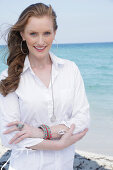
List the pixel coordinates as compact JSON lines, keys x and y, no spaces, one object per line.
{"x":78,"y":20}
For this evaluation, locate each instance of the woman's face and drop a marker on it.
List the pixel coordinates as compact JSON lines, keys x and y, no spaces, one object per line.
{"x":39,"y":35}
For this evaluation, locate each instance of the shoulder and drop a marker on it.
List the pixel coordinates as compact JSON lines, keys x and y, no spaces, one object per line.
{"x":70,"y":65}
{"x":4,"y":74}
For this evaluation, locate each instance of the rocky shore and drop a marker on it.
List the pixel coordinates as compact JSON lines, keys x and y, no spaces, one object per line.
{"x":88,"y":161}
{"x":82,"y":160}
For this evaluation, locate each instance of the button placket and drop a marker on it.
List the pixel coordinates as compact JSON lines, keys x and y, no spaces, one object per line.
{"x":50,"y":103}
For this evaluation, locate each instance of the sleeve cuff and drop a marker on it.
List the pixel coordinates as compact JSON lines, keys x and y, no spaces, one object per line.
{"x":30,"y":142}
{"x":78,"y":127}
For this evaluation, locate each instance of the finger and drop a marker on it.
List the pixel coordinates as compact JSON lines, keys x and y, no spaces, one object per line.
{"x":21,"y":138}
{"x":13,"y":123}
{"x":72,"y":127}
{"x":10,"y":130}
{"x":80,"y":135}
{"x":83,"y":132}
{"x":16,"y":136}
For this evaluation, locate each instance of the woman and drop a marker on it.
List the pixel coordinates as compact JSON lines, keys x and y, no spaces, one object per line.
{"x":43,"y":106}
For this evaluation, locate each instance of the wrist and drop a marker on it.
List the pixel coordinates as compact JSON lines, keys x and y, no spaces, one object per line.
{"x":54,"y":133}
{"x":47,"y":131}
{"x":41,"y":133}
{"x":58,"y":131}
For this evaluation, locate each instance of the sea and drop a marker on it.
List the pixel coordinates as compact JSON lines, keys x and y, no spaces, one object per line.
{"x":95,"y":61}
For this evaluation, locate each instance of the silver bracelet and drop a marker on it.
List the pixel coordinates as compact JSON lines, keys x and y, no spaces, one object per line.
{"x":61,"y":132}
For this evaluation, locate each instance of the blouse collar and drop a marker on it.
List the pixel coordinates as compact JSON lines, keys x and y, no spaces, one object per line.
{"x":56,"y":61}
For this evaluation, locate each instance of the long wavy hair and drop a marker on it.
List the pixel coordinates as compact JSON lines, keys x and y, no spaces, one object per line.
{"x":16,"y":57}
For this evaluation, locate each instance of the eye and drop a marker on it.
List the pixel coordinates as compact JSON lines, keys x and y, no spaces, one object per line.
{"x":47,"y":33}
{"x":33,"y":33}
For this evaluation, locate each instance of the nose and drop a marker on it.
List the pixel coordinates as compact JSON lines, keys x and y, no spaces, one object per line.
{"x":41,"y":40}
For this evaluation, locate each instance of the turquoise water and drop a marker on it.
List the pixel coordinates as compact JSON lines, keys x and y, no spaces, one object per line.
{"x":95,"y":61}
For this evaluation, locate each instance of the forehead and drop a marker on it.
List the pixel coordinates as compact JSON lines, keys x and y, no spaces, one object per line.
{"x":39,"y":24}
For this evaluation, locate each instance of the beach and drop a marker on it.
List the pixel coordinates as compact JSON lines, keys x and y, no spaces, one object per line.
{"x":82,"y":160}
{"x":95,"y":61}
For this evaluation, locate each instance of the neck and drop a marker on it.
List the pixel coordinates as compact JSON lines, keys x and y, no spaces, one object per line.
{"x":40,"y":62}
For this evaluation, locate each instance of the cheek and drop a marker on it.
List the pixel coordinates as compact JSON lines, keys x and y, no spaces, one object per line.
{"x":49,"y":40}
{"x":30,"y":41}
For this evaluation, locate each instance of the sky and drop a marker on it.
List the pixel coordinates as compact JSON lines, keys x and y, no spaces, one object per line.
{"x":79,"y":21}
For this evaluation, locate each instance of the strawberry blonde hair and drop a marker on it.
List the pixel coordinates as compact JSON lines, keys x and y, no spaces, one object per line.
{"x":16,"y":58}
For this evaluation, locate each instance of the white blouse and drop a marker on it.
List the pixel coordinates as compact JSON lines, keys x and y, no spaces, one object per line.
{"x":32,"y":103}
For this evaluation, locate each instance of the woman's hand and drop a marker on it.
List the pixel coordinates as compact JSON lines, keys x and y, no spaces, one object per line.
{"x":56,"y":128}
{"x":26,"y":132}
{"x":68,"y":138}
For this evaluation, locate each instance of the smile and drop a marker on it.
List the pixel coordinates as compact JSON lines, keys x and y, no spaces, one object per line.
{"x":39,"y":49}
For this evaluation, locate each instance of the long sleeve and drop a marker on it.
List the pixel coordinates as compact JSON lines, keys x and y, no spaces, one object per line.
{"x":80,"y":115}
{"x":9,"y":112}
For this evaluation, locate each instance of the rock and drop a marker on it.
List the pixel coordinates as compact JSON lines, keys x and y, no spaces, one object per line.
{"x":88,"y":161}
{"x":82,"y":160}
{"x":4,"y":158}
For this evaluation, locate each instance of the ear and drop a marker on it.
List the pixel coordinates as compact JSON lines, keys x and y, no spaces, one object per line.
{"x":22,"y":35}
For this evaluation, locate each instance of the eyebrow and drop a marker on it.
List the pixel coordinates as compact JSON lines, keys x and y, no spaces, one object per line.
{"x":36,"y":31}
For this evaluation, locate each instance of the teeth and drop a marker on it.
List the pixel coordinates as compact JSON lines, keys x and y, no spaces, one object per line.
{"x":39,"y":48}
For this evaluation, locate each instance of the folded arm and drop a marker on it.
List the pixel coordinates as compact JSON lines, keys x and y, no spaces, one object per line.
{"x":8,"y":115}
{"x":9,"y":112}
{"x":80,"y":115}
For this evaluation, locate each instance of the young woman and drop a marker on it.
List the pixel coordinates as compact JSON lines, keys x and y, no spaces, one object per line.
{"x":43,"y":106}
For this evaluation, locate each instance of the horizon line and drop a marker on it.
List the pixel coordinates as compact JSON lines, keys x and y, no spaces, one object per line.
{"x":75,"y":43}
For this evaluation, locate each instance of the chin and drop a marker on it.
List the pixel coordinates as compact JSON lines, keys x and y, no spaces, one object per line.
{"x":41,"y":55}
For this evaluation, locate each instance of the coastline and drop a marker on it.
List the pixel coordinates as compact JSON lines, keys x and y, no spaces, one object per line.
{"x":88,"y":160}
{"x":82,"y":160}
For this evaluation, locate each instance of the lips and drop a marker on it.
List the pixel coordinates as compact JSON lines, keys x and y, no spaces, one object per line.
{"x":40,"y":49}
